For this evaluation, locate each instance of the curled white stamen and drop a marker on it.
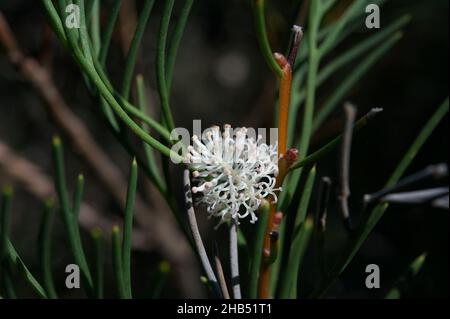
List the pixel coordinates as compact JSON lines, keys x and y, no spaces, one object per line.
{"x":233,"y":175}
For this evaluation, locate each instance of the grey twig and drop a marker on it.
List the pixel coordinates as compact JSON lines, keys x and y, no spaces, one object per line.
{"x":297,"y":35}
{"x":433,"y":171}
{"x":220,"y":274}
{"x":350,"y":113}
{"x":234,"y":261}
{"x":196,"y":233}
{"x":322,"y":203}
{"x":321,"y":221}
{"x":416,"y":197}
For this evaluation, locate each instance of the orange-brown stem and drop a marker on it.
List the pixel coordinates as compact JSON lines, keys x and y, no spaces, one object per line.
{"x":284,"y":93}
{"x":283,"y":108}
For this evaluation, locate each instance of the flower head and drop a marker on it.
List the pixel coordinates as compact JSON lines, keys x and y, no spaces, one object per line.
{"x":233,"y":175}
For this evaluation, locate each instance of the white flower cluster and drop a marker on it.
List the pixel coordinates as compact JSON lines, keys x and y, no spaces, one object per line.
{"x":233,"y":174}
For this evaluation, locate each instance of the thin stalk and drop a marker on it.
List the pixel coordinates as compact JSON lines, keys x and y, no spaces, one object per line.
{"x":283,"y":111}
{"x":94,"y":22}
{"x":414,"y":268}
{"x":437,"y":171}
{"x":77,"y":197}
{"x":175,"y":41}
{"x":284,"y":93}
{"x":234,"y":262}
{"x":320,"y":223}
{"x":161,"y":64}
{"x":55,"y":21}
{"x":25,"y":272}
{"x":117,"y":263}
{"x":128,"y":228}
{"x":350,"y":113}
{"x":68,"y":216}
{"x":299,"y":240}
{"x":261,"y":33}
{"x":141,"y":101}
{"x":161,"y":130}
{"x":276,"y":266}
{"x":220,"y":274}
{"x":258,"y":249}
{"x":161,"y":279}
{"x":196,"y":234}
{"x":416,"y":197}
{"x":313,"y":65}
{"x":97,"y":237}
{"x":83,"y":34}
{"x":130,"y":62}
{"x":108,"y":30}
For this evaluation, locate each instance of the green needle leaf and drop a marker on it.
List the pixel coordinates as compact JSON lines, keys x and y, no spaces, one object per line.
{"x":117,"y":263}
{"x":97,"y":237}
{"x":302,"y":232}
{"x":68,"y":215}
{"x":258,"y":249}
{"x":24,"y":272}
{"x":107,"y":32}
{"x":261,"y":33}
{"x":412,"y":271}
{"x":134,"y":46}
{"x":175,"y":41}
{"x":161,"y":64}
{"x":128,"y":228}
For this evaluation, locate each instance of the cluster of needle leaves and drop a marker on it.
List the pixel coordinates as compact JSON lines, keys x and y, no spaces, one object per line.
{"x":89,"y":44}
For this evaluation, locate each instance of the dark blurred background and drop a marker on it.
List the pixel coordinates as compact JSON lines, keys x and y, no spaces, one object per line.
{"x":221,"y":77}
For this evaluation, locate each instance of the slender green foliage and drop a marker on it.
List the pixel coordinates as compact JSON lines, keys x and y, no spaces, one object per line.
{"x":261,"y":33}
{"x":68,"y":215}
{"x":25,"y":272}
{"x":149,"y":154}
{"x":108,"y":30}
{"x":299,"y":242}
{"x":161,"y":64}
{"x":117,"y":263}
{"x":175,"y":41}
{"x":134,"y":46}
{"x":414,"y":268}
{"x":97,"y":237}
{"x":128,"y":228}
{"x":161,"y":279}
{"x":258,"y":250}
